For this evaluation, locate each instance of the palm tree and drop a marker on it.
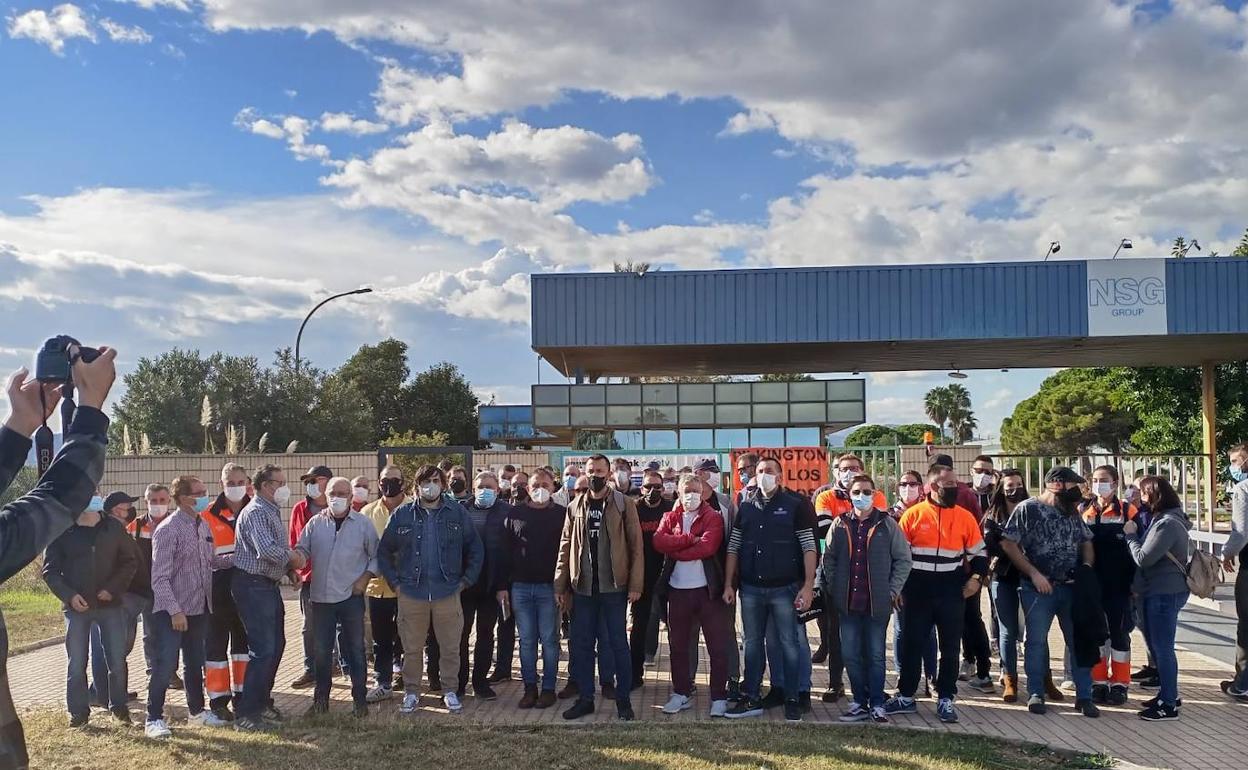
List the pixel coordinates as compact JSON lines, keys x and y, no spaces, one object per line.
{"x":1179,"y":249}
{"x":936,"y":404}
{"x":962,"y":424}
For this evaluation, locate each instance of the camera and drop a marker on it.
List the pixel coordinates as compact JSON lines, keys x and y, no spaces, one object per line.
{"x":54,"y":363}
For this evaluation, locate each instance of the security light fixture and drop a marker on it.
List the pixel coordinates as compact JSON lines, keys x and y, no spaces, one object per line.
{"x":1125,"y":243}
{"x":1054,"y":247}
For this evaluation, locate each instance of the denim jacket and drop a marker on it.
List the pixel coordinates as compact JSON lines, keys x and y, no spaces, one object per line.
{"x":460,"y":553}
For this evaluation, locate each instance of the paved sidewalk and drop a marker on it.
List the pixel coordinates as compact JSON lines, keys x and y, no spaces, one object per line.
{"x":1213,"y":732}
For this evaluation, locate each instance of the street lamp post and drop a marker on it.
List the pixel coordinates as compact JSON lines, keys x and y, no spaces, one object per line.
{"x":299,"y":336}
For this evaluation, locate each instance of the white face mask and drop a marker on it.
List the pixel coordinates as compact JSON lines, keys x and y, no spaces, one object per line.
{"x":540,"y":495}
{"x":691,"y":501}
{"x":1102,"y":488}
{"x":504,"y":485}
{"x":767,"y":482}
{"x":622,"y":479}
{"x":157,"y":511}
{"x":359,"y":494}
{"x":339,"y":505}
{"x":313,"y":490}
{"x":846,"y":477}
{"x":908,"y":494}
{"x":236,"y":493}
{"x":281,"y":495}
{"x":981,"y":480}
{"x":669,"y":487}
{"x":430,"y":492}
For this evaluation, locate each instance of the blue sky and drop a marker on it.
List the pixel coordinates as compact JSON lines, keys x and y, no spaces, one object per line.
{"x":177,"y":172}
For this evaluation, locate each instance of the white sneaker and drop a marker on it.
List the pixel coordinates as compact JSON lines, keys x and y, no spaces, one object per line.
{"x":677,"y":703}
{"x":205,"y":718}
{"x":452,"y":703}
{"x":855,"y":713}
{"x":378,"y":694}
{"x":411,"y":703}
{"x":719,"y":708}
{"x":157,"y":729}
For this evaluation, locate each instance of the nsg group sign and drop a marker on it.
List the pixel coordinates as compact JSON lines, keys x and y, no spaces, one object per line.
{"x":1126,"y":297}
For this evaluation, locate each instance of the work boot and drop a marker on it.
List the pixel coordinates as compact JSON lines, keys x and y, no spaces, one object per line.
{"x":530,"y":698}
{"x":306,"y":679}
{"x":569,"y":691}
{"x":1009,"y":688}
{"x":546,"y":699}
{"x":1051,"y":691}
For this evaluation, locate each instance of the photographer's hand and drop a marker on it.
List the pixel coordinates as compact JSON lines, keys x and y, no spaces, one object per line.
{"x":94,"y":380}
{"x":25,"y":412}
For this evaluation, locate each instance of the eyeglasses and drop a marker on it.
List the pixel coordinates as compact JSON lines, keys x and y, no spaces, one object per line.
{"x":651,"y":486}
{"x":863,"y":493}
{"x":909,"y":484}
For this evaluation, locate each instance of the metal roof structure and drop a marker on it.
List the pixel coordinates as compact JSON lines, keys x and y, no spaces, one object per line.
{"x":1140,"y":312}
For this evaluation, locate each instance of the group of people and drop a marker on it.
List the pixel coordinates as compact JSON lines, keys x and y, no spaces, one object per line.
{"x":444,"y":573}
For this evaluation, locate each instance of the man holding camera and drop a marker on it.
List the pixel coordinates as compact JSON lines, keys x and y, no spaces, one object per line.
{"x":30,"y":523}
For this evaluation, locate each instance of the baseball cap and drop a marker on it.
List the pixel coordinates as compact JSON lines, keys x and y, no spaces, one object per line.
{"x":117,"y":498}
{"x":1062,"y":474}
{"x":707,"y":465}
{"x":942,"y":460}
{"x":317,"y":471}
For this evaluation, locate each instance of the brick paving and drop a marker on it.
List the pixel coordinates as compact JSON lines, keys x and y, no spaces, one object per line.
{"x":1213,"y":731}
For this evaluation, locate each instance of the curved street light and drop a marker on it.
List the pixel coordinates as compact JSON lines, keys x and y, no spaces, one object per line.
{"x":299,"y":336}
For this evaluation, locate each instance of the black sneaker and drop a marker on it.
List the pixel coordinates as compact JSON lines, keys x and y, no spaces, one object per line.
{"x":834,"y":694}
{"x":1087,"y":708}
{"x":773,"y":699}
{"x":250,"y":725}
{"x":734,"y":690}
{"x":1152,"y":683}
{"x":746,"y":707}
{"x":1230,"y":690}
{"x":608,"y":692}
{"x":1160,"y":713}
{"x":272,"y":715}
{"x":1156,"y":701}
{"x":1100,"y":693}
{"x":223,"y":713}
{"x":625,"y":711}
{"x":484,"y":692}
{"x":1146,"y":672}
{"x":1117,"y":695}
{"x":500,"y":676}
{"x":122,"y":716}
{"x":582,"y":708}
{"x":79,"y":721}
{"x":803,"y":700}
{"x":792,"y":711}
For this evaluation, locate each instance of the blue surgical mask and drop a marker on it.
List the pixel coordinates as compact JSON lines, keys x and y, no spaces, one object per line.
{"x":745,"y":477}
{"x":486,"y":497}
{"x":202,"y":502}
{"x":1238,"y":473}
{"x":862,"y":502}
{"x":96,"y":504}
{"x":569,"y":483}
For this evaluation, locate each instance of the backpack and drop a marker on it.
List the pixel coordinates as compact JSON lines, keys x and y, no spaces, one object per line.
{"x":1203,"y":572}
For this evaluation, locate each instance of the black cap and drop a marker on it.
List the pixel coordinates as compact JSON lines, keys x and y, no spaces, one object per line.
{"x":1062,"y":474}
{"x":117,"y":498}
{"x":707,"y":465}
{"x":942,"y":460}
{"x":315,"y":472}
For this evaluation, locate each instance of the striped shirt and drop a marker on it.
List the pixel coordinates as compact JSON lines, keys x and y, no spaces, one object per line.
{"x":182,"y":562}
{"x":261,"y":541}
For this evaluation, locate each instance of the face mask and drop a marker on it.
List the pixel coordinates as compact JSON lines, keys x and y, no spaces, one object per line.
{"x":597,"y":484}
{"x":1016,"y":496}
{"x":981,"y":480}
{"x":281,"y":495}
{"x":391,"y":487}
{"x":622,"y":479}
{"x":430,"y":491}
{"x":948,"y":496}
{"x":312,"y":490}
{"x":96,"y":504}
{"x":744,"y":476}
{"x":654,"y":495}
{"x":767,"y":482}
{"x":157,"y":511}
{"x":908,"y":494}
{"x":569,"y":482}
{"x":846,"y":477}
{"x":541,"y":495}
{"x":669,"y":488}
{"x":131,"y":515}
{"x":202,"y":502}
{"x":504,"y":485}
{"x":862,"y":502}
{"x":485,"y":498}
{"x":458,"y":486}
{"x":711,"y":480}
{"x":236,"y":494}
{"x":691,"y":501}
{"x":359,"y":494}
{"x":1102,"y":488}
{"x":520,"y":494}
{"x":1070,"y":496}
{"x":339,"y":505}
{"x":1237,"y":473}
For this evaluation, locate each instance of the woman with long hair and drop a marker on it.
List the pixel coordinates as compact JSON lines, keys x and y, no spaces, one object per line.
{"x":1003,"y":588}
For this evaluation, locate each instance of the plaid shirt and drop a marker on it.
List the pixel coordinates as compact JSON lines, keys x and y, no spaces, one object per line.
{"x":260,"y":540}
{"x":182,"y":562}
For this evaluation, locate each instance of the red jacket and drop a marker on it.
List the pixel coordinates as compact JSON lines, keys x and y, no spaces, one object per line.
{"x":298,"y":520}
{"x":700,"y":543}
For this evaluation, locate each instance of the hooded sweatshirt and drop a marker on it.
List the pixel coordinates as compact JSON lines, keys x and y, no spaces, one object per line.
{"x":1157,"y":573}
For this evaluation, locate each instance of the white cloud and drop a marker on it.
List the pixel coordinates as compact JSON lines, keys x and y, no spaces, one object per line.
{"x":64,"y":22}
{"x":1000,"y":398}
{"x":120,"y":33}
{"x":497,"y":290}
{"x":293,"y":129}
{"x":747,"y":122}
{"x":892,"y":378}
{"x":895,"y":410}
{"x":179,"y":5}
{"x":345,"y":122}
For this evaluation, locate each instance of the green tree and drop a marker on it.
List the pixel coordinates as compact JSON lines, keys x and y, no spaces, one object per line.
{"x":380,"y":372}
{"x":911,"y":434}
{"x":440,"y":399}
{"x":23,"y":481}
{"x":600,"y":440}
{"x":936,"y":404}
{"x":1179,"y":248}
{"x":410,"y":463}
{"x":785,"y":377}
{"x":1166,"y":402}
{"x":872,"y":435}
{"x":163,"y":399}
{"x":1241,"y":250}
{"x":1075,"y":411}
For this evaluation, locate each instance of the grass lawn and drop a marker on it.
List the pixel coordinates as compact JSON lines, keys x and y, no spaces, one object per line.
{"x":31,"y":612}
{"x":338,"y":742}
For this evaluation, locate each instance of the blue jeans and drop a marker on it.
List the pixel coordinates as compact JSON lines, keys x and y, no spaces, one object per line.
{"x":1005,"y":599}
{"x":929,"y":651}
{"x":168,"y":643}
{"x":1161,"y":613}
{"x":259,"y":603}
{"x":589,"y":614}
{"x":133,"y":606}
{"x":537,"y":619}
{"x":775,"y":658}
{"x":862,"y":647}
{"x":326,"y":619}
{"x":1039,"y":610}
{"x":112,"y":625}
{"x":761,"y":608}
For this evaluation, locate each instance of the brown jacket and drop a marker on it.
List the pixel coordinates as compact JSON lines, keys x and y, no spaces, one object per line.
{"x":623,"y":530}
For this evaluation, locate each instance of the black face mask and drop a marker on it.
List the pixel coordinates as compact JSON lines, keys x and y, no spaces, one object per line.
{"x":520,"y":494}
{"x":391,"y":487}
{"x":1072,"y":496}
{"x":131,"y":515}
{"x":458,"y":486}
{"x":1017,"y":496}
{"x":597,"y":484}
{"x":653,"y":496}
{"x":948,"y":496}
